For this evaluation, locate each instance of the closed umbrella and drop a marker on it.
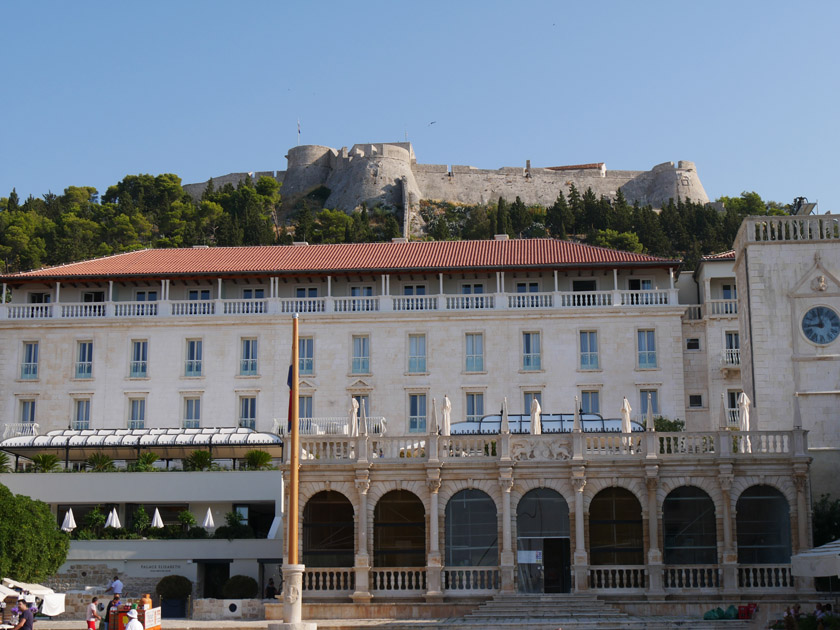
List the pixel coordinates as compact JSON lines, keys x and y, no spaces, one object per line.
{"x":649,"y":412}
{"x":208,"y":520}
{"x":626,"y":427}
{"x":354,"y":417}
{"x":446,"y":429}
{"x":505,"y":428}
{"x":433,"y":423}
{"x":157,"y":521}
{"x":109,"y":522}
{"x":115,"y":519}
{"x":69,"y":523}
{"x":536,"y":421}
{"x":744,"y":408}
{"x":363,"y":428}
{"x":576,"y":423}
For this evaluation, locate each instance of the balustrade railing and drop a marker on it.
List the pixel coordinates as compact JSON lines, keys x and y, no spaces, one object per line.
{"x":16,"y":429}
{"x":765,"y":576}
{"x":302,"y":305}
{"x":694,"y":312}
{"x":29,"y":311}
{"x":731,"y":357}
{"x":327,"y":449}
{"x":681,"y":444}
{"x":329,"y":581}
{"x":415,"y":303}
{"x":193,"y":307}
{"x":618,"y":577}
{"x":356,"y":304}
{"x":468,"y":446}
{"x":531,"y":300}
{"x":467,"y":302}
{"x":586,"y":298}
{"x":85,"y":310}
{"x":722,"y":308}
{"x":406,"y":580}
{"x":811,"y":228}
{"x":599,"y":444}
{"x":244,"y":307}
{"x":398,"y":447}
{"x":733,"y":416}
{"x":657,"y":297}
{"x":471,"y":580}
{"x":691,"y":577}
{"x":135,"y":309}
{"x":761,"y":443}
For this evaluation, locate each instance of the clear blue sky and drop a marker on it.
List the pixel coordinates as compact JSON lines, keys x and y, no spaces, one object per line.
{"x":748,"y":90}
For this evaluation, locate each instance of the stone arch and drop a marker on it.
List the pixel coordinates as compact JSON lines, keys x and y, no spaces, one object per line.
{"x":689,"y":526}
{"x":490,"y":487}
{"x":594,"y":486}
{"x":309,"y":489}
{"x":707,"y":484}
{"x":616,"y":527}
{"x":328,"y":530}
{"x":471,"y":529}
{"x":782,"y":484}
{"x":763,"y":529}
{"x":524,"y":486}
{"x":399,"y":530}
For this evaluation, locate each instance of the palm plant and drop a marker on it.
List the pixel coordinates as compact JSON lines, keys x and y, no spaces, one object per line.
{"x":100,"y":462}
{"x":5,"y":462}
{"x":45,"y":462}
{"x":257,"y":460}
{"x":146,"y":462}
{"x":198,"y":460}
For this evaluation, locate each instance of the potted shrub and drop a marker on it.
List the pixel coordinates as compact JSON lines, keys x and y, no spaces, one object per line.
{"x":174,"y":591}
{"x":240,"y":587}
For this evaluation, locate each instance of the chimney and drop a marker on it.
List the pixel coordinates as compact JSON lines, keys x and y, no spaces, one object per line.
{"x":501,"y":237}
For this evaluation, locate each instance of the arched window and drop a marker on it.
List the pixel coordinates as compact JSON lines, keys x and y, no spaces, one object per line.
{"x":472,"y":530}
{"x":688,"y":527}
{"x":328,"y":531}
{"x":399,"y":531}
{"x":615,"y":528}
{"x":763,"y":523}
{"x":542,"y":542}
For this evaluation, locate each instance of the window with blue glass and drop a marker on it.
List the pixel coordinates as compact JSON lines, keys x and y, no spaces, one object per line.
{"x":417,"y":413}
{"x":588,"y":350}
{"x":304,"y":406}
{"x":361,"y":354}
{"x":590,"y":402}
{"x":192,"y":413}
{"x":248,"y":412}
{"x":475,"y":352}
{"x":81,"y":417}
{"x":475,"y":406}
{"x":27,"y":411}
{"x":531,"y":359}
{"x":84,"y":359}
{"x":29,"y":364}
{"x":646,"y":342}
{"x":193,"y":362}
{"x":417,"y":354}
{"x":306,"y":356}
{"x":654,"y":402}
{"x":248,"y":364}
{"x":137,"y":413}
{"x":139,"y":365}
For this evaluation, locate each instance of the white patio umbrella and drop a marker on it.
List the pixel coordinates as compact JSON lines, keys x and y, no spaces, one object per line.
{"x":536,"y":421}
{"x":354,"y":417}
{"x":115,"y":519}
{"x":157,"y":521}
{"x":744,"y":408}
{"x":626,"y":427}
{"x":821,"y":561}
{"x":649,"y":412}
{"x":433,"y":422}
{"x":109,"y":522}
{"x":69,"y":523}
{"x":576,"y":423}
{"x":208,"y":520}
{"x":363,"y":428}
{"x":505,"y":428}
{"x":447,"y":416}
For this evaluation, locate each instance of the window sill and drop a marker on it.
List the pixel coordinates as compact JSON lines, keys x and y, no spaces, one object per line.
{"x":137,"y":378}
{"x":192,"y":378}
{"x":590,"y":370}
{"x":307,"y":375}
{"x":82,"y":378}
{"x":353,"y":374}
{"x":539,"y":371}
{"x":647,"y":369}
{"x":416,"y":373}
{"x":248,"y":376}
{"x":27,"y":380}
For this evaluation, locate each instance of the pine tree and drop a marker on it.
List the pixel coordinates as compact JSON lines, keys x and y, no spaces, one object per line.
{"x":559,"y":218}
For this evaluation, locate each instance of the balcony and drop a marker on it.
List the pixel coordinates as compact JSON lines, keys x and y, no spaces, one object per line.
{"x":558,"y":300}
{"x":722,"y":308}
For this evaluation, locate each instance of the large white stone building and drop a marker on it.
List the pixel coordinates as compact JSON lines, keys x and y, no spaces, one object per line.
{"x":197,"y":340}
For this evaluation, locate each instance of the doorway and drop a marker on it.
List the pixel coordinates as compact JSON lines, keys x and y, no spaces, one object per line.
{"x":544,"y":558}
{"x":214,"y":575}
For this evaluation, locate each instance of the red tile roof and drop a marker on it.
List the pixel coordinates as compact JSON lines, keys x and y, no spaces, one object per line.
{"x":730,"y":255}
{"x":347,"y":258}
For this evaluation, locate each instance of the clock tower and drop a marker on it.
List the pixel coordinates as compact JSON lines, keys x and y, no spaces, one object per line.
{"x":788,"y":275}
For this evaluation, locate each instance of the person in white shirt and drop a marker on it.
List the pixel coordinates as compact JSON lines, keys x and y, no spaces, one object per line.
{"x":133,"y":622}
{"x":115,"y":587}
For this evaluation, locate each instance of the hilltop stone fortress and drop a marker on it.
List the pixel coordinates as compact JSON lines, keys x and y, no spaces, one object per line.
{"x":389,"y":173}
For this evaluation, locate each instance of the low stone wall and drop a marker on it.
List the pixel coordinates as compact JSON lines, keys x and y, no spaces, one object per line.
{"x":221,"y":609}
{"x":377,"y":610}
{"x":95,"y":578}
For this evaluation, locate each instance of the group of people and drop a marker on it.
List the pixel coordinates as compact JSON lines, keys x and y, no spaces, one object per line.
{"x":794,"y":613}
{"x":92,"y":615}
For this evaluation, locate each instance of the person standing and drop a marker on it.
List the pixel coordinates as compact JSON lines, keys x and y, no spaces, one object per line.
{"x":270,"y":590}
{"x":92,"y":615}
{"x":115,"y":587}
{"x":133,"y":622}
{"x":27,"y":616}
{"x":114,"y":603}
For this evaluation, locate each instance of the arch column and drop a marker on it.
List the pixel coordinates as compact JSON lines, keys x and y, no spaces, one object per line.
{"x":654,"y":558}
{"x":730,"y":555}
{"x":362,"y":559}
{"x":800,"y":480}
{"x":581,"y":562}
{"x":434,"y":591}
{"x":507,"y":566}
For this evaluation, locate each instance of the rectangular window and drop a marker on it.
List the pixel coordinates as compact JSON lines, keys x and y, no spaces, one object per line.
{"x":417,"y":354}
{"x":81,"y":417}
{"x":248,"y":412}
{"x":692,"y":343}
{"x":199,"y":294}
{"x":588,"y":350}
{"x":527,"y":287}
{"x":590,"y":402}
{"x":528,"y":398}
{"x":39,"y":298}
{"x":417,"y":413}
{"x":361,"y":354}
{"x":729,"y":292}
{"x":306,"y":356}
{"x":646,"y":342}
{"x":639,"y":284}
{"x":414,"y":289}
{"x":248,"y":364}
{"x":475,"y":407}
{"x":654,"y":401}
{"x":137,"y":413}
{"x":733,"y":348}
{"x":254,"y":294}
{"x":305,"y":407}
{"x":193,"y":363}
{"x":29,"y":365}
{"x":27,"y":411}
{"x":93,"y":297}
{"x":584,"y":285}
{"x":146,"y":296}
{"x":364,"y":403}
{"x":192,"y":413}
{"x":472,"y":289}
{"x":531,"y":351}
{"x":695,"y":400}
{"x":84,"y":359}
{"x":139,"y":366}
{"x":306,"y":292}
{"x":475,"y":352}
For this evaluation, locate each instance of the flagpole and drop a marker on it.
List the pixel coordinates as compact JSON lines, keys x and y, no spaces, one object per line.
{"x":294,"y":459}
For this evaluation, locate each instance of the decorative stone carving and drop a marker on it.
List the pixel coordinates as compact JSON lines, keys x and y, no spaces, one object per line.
{"x":819,"y":284}
{"x":506,"y":484}
{"x":540,"y":449}
{"x":292,"y":594}
{"x":725,"y":482}
{"x":363,"y":485}
{"x":801,"y":482}
{"x":652,"y":483}
{"x":578,"y":483}
{"x":434,"y":485}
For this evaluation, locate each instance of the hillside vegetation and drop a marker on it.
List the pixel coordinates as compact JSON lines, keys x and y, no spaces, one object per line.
{"x":143,"y":211}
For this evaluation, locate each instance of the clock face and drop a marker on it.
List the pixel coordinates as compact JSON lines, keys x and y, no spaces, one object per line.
{"x":821,"y":325}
